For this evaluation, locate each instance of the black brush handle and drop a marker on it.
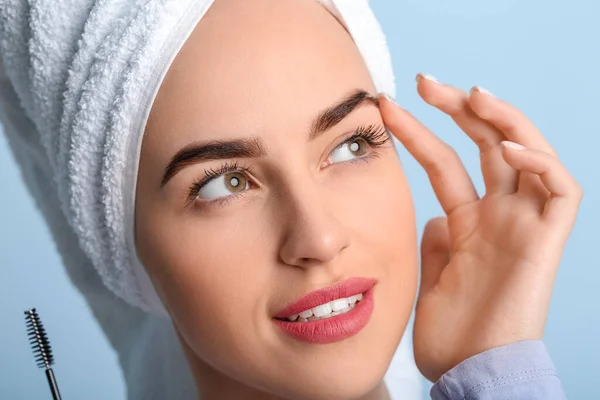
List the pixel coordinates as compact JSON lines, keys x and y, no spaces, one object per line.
{"x":53,"y":384}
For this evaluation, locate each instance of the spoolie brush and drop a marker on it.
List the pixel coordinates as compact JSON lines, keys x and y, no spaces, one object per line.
{"x":41,"y":348}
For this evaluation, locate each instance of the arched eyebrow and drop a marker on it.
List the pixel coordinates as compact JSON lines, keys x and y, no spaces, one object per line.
{"x":197,"y":152}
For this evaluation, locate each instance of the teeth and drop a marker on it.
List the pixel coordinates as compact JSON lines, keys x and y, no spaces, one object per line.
{"x":339,"y":304}
{"x":322,"y":310}
{"x":327,"y":310}
{"x":355,"y":298}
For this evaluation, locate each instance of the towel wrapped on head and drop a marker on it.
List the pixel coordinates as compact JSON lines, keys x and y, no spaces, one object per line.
{"x":85,"y":74}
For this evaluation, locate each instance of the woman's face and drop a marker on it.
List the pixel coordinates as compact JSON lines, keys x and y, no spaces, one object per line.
{"x":266,"y":174}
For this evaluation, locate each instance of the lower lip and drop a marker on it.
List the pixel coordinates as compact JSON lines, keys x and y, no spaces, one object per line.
{"x":332,"y":329}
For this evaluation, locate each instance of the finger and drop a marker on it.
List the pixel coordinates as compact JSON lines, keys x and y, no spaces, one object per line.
{"x":515,"y":126}
{"x":497,"y":175}
{"x":565,"y":192}
{"x":449,"y":178}
{"x":435,"y":252}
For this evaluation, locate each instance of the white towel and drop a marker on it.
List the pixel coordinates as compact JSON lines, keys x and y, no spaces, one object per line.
{"x":78,"y":81}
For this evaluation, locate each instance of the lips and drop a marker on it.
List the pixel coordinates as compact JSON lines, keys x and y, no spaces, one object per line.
{"x":335,"y":328}
{"x":347,"y":288}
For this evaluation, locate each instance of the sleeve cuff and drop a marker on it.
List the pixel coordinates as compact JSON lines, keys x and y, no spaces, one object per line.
{"x":503,"y":369}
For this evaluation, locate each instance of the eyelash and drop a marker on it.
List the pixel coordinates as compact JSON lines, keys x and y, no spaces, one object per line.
{"x":375,"y":136}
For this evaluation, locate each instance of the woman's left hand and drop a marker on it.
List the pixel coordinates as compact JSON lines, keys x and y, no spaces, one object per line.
{"x":488,"y":267}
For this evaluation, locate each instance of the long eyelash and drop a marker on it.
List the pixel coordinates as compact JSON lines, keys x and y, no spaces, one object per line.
{"x":374,"y":135}
{"x":211,"y":174}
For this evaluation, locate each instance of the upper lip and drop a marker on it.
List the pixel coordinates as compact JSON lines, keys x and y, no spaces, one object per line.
{"x":347,"y":288}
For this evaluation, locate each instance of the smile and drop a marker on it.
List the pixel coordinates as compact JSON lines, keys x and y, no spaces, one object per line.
{"x":329,"y":314}
{"x":327,"y":310}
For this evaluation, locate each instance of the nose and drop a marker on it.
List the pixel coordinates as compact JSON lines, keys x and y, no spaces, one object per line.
{"x":313,"y":235}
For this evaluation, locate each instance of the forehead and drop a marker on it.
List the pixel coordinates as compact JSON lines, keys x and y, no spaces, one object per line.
{"x":254,"y":66}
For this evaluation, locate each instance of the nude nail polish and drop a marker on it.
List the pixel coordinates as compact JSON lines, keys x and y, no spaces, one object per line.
{"x":422,"y":75}
{"x":389,"y":97}
{"x":512,"y":145}
{"x":482,"y":90}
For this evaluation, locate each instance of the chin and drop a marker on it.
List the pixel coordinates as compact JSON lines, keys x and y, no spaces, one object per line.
{"x":343,"y":357}
{"x":348,"y":369}
{"x":344,"y":377}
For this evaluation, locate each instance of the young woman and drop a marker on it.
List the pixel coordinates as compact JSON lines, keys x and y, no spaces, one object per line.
{"x":276,"y":227}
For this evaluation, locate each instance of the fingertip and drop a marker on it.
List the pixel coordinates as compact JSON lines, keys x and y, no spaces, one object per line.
{"x":426,"y":92}
{"x":386,"y":96}
{"x":427,"y":86}
{"x":520,"y":158}
{"x":387,"y":100}
{"x":427,"y":77}
{"x":480,"y":103}
{"x":507,"y":144}
{"x":512,"y":152}
{"x":389,"y":110}
{"x":479,"y":89}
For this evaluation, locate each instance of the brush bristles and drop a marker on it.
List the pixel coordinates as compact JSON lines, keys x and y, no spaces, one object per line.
{"x":38,"y":339}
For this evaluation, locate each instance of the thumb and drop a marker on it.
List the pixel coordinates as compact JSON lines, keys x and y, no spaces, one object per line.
{"x":435,"y":252}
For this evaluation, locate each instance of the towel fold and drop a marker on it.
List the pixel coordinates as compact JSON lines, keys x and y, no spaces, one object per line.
{"x":79,"y":78}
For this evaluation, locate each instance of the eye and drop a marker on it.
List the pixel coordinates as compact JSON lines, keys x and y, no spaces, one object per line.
{"x":224,"y":185}
{"x":349,"y":151}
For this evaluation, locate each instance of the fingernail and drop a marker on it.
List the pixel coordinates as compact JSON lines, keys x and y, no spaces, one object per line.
{"x":512,"y":145}
{"x":389,"y":97}
{"x":482,"y":90}
{"x":426,"y":76}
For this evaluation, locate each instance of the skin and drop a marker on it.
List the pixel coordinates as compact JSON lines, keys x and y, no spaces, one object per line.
{"x":488,"y":266}
{"x":224,"y":271}
{"x":306,"y":222}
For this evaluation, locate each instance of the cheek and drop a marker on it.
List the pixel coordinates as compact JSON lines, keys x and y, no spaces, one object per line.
{"x":390,"y":227}
{"x":376,"y":202}
{"x":211,"y":275}
{"x":378,"y":206}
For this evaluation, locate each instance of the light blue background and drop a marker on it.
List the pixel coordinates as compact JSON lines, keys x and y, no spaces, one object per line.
{"x":540,"y":55}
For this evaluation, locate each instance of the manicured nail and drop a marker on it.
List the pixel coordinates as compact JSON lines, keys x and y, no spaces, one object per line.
{"x":512,"y":145}
{"x":482,"y":90}
{"x":389,"y":97}
{"x":422,"y":75}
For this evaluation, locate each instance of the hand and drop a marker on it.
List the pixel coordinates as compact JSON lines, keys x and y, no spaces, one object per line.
{"x":488,"y":267}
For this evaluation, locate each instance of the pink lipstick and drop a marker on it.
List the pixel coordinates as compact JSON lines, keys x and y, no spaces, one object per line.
{"x":330,"y":319}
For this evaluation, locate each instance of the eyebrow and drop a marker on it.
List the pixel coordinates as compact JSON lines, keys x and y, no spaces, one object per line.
{"x":254,"y":147}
